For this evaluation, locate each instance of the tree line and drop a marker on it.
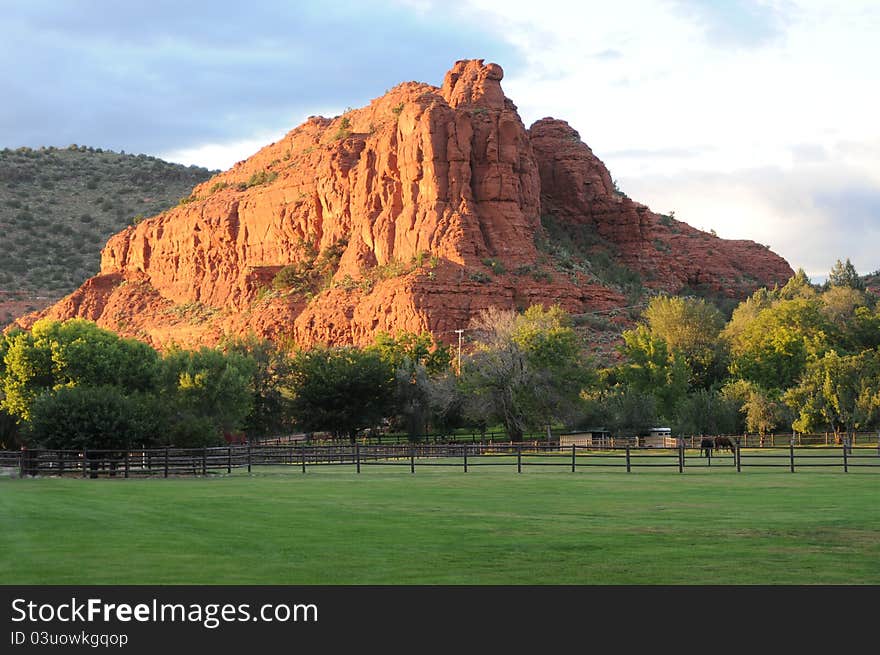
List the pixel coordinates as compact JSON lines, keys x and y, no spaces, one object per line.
{"x":799,"y":357}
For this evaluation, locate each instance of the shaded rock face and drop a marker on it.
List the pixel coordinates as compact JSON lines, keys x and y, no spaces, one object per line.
{"x":431,"y":199}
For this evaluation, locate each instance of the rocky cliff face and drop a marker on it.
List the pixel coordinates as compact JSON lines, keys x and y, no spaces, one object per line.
{"x":412,"y":213}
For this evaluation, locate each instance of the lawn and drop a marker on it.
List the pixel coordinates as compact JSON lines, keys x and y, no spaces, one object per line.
{"x":442,"y":526}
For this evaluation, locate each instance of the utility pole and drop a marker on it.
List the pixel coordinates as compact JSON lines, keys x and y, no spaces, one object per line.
{"x":460,"y":332}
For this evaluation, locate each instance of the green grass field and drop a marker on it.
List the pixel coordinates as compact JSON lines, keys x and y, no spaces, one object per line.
{"x":442,"y":526}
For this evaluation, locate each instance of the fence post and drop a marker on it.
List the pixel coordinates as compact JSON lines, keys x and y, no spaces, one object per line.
{"x":628,"y":465}
{"x":166,"y":461}
{"x":85,"y":462}
{"x":519,"y":459}
{"x":204,"y":461}
{"x":412,"y":459}
{"x":126,"y":463}
{"x":681,"y":457}
{"x":573,"y":457}
{"x":249,"y":457}
{"x":845,"y":462}
{"x":464,"y":447}
{"x":229,"y":459}
{"x":738,"y":458}
{"x":357,"y":456}
{"x":302,"y":453}
{"x":791,"y":456}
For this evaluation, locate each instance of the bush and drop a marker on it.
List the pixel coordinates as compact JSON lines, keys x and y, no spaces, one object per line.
{"x":259,"y":178}
{"x":293,"y":277}
{"x":9,"y":430}
{"x":91,"y":417}
{"x":479,"y":276}
{"x":344,"y":130}
{"x":192,"y":431}
{"x":496,"y":266}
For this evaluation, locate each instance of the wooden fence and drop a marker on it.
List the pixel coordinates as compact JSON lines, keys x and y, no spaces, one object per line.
{"x":176,"y":462}
{"x":784,"y":439}
{"x":323,"y":438}
{"x":771,"y":440}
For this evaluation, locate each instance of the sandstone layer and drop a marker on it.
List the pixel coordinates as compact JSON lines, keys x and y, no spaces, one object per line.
{"x":418,"y":211}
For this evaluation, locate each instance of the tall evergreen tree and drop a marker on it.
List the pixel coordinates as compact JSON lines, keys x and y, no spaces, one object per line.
{"x":845,"y":275}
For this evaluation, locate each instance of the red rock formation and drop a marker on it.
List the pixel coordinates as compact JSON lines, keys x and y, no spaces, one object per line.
{"x":433,"y":199}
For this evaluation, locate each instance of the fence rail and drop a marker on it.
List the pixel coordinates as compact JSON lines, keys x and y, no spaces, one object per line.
{"x":770,"y":440}
{"x":177,"y":462}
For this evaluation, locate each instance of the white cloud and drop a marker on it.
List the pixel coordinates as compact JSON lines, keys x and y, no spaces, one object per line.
{"x":224,"y":154}
{"x":812,"y":216}
{"x":734,"y":116}
{"x":216,"y":155}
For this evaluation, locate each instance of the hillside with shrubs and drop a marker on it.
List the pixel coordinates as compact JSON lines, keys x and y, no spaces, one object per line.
{"x":58,"y":207}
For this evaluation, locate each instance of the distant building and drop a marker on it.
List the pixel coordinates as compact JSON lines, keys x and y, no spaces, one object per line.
{"x":659,"y":438}
{"x":591,"y":438}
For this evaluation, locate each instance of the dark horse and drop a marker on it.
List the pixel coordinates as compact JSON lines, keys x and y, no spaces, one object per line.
{"x":725,"y":443}
{"x":706,"y":445}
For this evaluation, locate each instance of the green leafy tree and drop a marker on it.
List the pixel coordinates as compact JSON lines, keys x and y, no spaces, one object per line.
{"x":407,"y":349}
{"x":863,"y":330}
{"x":650,"y":368}
{"x":798,"y":286}
{"x":745,"y":314}
{"x":838,"y":391}
{"x":526,"y":370}
{"x":773,"y":349}
{"x":73,"y":353}
{"x":855,"y":325}
{"x":415,"y":359}
{"x":9,"y":424}
{"x":270,"y":411}
{"x":707,"y":412}
{"x":9,"y":431}
{"x":845,"y":275}
{"x":593,"y":411}
{"x":689,"y":327}
{"x":342,"y":390}
{"x":630,"y":411}
{"x":102,"y":417}
{"x":447,"y":401}
{"x":762,"y":409}
{"x":206,"y":389}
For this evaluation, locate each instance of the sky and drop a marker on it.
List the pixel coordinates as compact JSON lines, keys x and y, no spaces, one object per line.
{"x":753,"y":118}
